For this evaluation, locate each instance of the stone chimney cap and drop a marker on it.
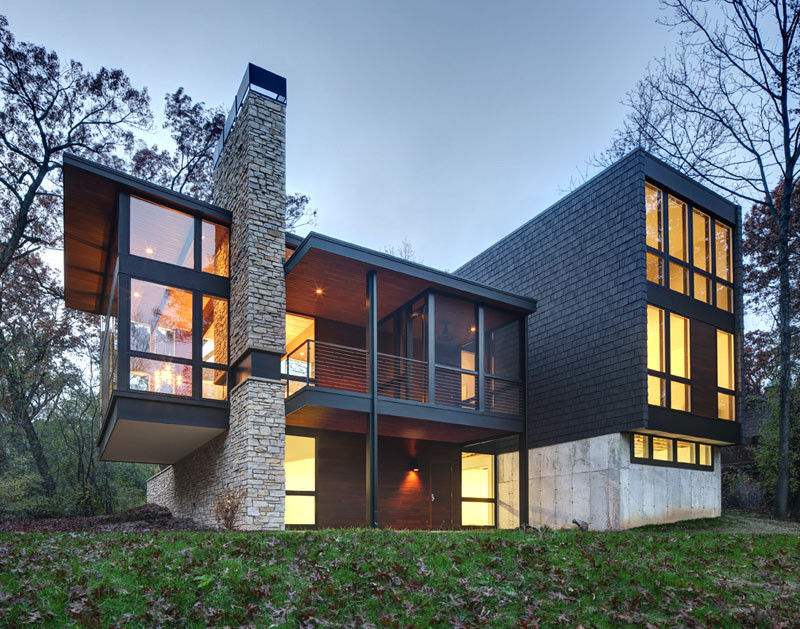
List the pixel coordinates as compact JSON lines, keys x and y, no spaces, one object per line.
{"x":259,"y":80}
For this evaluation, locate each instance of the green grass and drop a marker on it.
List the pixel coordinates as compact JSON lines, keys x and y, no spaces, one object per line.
{"x":667,"y":576}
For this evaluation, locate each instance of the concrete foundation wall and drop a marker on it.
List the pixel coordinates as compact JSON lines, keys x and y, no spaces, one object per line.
{"x":508,"y":490}
{"x":593,"y":480}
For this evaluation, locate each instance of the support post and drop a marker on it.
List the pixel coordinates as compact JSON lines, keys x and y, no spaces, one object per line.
{"x":524,"y":482}
{"x":480,"y":360}
{"x":431,"y":334}
{"x":372,"y":420}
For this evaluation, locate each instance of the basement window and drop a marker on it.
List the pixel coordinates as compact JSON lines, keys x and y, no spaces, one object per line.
{"x":655,"y":450}
{"x":301,"y":481}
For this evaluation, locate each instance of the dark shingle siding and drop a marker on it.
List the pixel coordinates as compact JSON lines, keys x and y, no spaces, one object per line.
{"x":583,"y":260}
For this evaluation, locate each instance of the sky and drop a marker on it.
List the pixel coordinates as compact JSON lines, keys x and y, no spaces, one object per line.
{"x":448,"y":124}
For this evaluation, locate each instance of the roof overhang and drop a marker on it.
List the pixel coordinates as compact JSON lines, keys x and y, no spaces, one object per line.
{"x":339,"y":270}
{"x":90,"y":226}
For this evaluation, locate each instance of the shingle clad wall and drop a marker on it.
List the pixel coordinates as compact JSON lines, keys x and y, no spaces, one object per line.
{"x":583,"y":260}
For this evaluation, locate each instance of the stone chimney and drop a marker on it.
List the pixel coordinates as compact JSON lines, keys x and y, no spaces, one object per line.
{"x":250,"y":182}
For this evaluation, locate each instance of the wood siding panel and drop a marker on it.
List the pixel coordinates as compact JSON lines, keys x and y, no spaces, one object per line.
{"x":704,"y":369}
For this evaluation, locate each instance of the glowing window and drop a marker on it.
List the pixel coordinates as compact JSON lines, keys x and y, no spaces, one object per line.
{"x":679,"y":278}
{"x":161,"y":319}
{"x":686,"y":452}
{"x":215,"y":384}
{"x":655,"y":269}
{"x":655,"y":339}
{"x":677,"y":229}
{"x":724,"y":251}
{"x":705,"y":454}
{"x":725,"y":378}
{"x":300,"y":466}
{"x":160,"y":376}
{"x":702,"y":288}
{"x":654,"y":218}
{"x":679,"y":346}
{"x":477,"y":489}
{"x":215,"y":248}
{"x":640,"y":446}
{"x":662,"y":449}
{"x":724,"y":297}
{"x":215,"y":330}
{"x":701,"y":237}
{"x":161,"y":233}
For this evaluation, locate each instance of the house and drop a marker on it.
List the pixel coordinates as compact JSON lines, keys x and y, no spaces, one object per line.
{"x":593,"y":354}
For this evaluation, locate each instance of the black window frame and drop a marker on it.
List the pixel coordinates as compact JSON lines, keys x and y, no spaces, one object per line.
{"x":667,"y":376}
{"x":132,"y":267}
{"x":666,"y":259}
{"x":649,"y":460}
{"x":493,"y":501}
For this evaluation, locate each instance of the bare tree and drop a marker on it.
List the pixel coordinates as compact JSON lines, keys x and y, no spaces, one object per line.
{"x":723,"y":108}
{"x":404,"y":250}
{"x":299,"y":212}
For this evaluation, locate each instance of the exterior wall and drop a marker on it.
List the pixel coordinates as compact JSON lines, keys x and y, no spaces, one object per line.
{"x":508,"y":490}
{"x":593,"y":480}
{"x":249,"y":460}
{"x":583,"y":259}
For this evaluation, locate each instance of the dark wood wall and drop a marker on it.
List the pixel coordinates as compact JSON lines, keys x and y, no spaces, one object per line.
{"x":703,"y":358}
{"x":404,"y":496}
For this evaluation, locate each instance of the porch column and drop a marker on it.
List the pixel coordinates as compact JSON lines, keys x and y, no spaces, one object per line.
{"x":372,"y":420}
{"x":524,"y":476}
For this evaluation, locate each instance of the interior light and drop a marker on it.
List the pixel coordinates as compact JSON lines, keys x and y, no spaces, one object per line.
{"x":136,"y":294}
{"x":318,"y":291}
{"x":472,"y":329}
{"x":414,"y":464}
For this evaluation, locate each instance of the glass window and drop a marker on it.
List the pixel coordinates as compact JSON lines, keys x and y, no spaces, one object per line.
{"x":655,"y":268}
{"x":679,"y":396}
{"x":724,"y":297}
{"x":640,"y":446}
{"x":300,"y":467}
{"x":215,"y":384}
{"x":662,"y":449}
{"x":456,"y":331}
{"x":677,"y":229}
{"x":215,"y":330}
{"x":655,"y":339}
{"x":726,"y":407}
{"x":158,"y":376}
{"x":161,"y":233}
{"x":705,"y":454}
{"x":686,"y":452}
{"x":215,"y":249}
{"x":656,"y":391}
{"x":679,"y":346}
{"x":161,"y":319}
{"x":725,"y":376}
{"x":654,"y":218}
{"x":724,"y":251}
{"x":702,"y":288}
{"x":502,"y":344}
{"x":477,"y":489}
{"x":701,"y":235}
{"x":679,"y":278}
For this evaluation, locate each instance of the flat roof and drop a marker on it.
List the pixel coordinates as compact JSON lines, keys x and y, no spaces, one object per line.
{"x":90,"y":225}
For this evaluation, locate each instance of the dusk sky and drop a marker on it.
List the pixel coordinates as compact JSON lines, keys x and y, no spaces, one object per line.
{"x":405,"y":119}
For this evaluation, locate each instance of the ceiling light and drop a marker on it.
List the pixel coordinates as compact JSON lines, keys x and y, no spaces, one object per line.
{"x":318,"y":291}
{"x":149,"y":251}
{"x":472,"y":329}
{"x":135,"y":294}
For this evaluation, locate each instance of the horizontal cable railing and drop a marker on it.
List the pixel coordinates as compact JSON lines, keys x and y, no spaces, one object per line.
{"x":325,"y":365}
{"x":402,"y":378}
{"x":503,"y":396}
{"x":455,"y":387}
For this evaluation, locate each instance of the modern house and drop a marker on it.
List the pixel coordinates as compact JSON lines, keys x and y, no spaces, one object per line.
{"x":586,"y":366}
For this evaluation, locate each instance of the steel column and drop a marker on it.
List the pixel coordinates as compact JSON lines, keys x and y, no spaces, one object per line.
{"x":524,"y":482}
{"x":372,"y":420}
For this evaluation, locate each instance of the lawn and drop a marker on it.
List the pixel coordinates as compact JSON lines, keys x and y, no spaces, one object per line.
{"x":695,"y":575}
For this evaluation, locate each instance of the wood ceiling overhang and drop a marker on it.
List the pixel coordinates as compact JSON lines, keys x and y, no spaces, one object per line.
{"x":90,"y":225}
{"x":339,"y":269}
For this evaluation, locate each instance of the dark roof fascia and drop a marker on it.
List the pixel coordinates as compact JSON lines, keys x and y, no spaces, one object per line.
{"x":663,"y":173}
{"x":129,"y":183}
{"x":381,"y":260}
{"x":293,"y":240}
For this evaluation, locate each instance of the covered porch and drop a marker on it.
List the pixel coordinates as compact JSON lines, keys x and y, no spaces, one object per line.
{"x":414,"y":373}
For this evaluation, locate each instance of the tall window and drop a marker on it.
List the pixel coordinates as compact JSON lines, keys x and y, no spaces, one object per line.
{"x":301,"y":481}
{"x":477,"y":489}
{"x":694,"y":256}
{"x":726,"y":407}
{"x":668,"y":372}
{"x":455,"y":345}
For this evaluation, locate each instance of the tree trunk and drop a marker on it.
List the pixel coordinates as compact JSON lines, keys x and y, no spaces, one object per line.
{"x":784,"y":318}
{"x":39,"y":458}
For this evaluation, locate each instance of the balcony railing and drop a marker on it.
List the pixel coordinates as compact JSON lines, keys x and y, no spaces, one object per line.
{"x":331,"y":366}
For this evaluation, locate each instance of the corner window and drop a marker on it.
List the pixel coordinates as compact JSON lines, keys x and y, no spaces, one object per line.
{"x":699,"y":259}
{"x":301,"y":483}
{"x":161,"y":319}
{"x":655,"y":450}
{"x":161,"y":233}
{"x":215,"y":248}
{"x":477,"y":489}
